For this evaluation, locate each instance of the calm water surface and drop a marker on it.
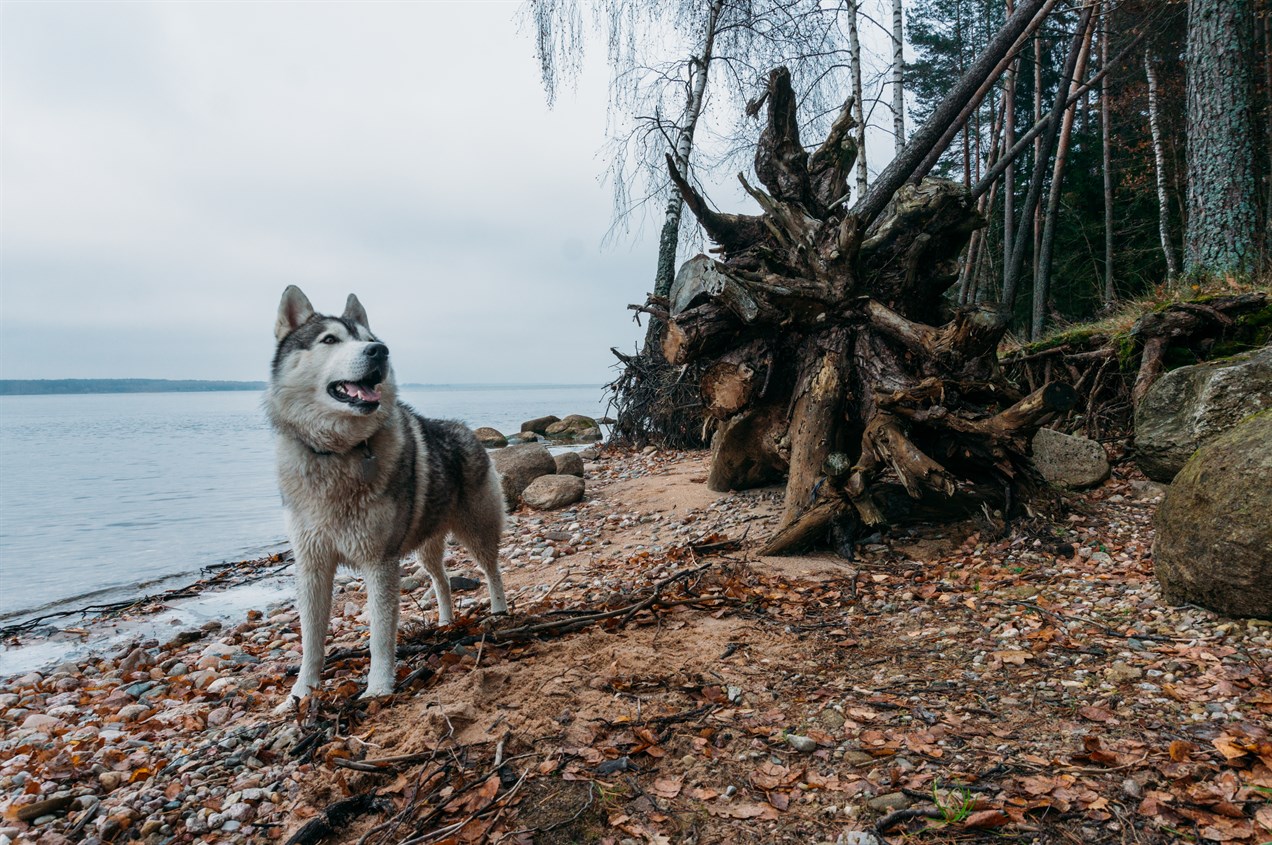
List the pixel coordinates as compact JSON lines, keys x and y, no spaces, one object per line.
{"x":102,"y":495}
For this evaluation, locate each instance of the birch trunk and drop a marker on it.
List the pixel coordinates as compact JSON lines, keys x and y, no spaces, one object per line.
{"x":858,"y":113}
{"x":1042,"y":281}
{"x":670,"y":237}
{"x":1159,"y":166}
{"x":1110,"y":288}
{"x":898,"y":78}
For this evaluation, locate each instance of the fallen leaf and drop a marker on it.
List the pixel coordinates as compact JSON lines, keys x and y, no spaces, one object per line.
{"x":743,"y":810}
{"x":1096,"y":714}
{"x":987,"y":818}
{"x":668,"y":787}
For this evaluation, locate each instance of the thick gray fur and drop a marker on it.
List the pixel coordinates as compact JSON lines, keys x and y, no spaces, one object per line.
{"x":365,"y":481}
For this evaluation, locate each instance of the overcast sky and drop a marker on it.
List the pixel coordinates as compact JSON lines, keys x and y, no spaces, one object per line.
{"x":168,"y":168}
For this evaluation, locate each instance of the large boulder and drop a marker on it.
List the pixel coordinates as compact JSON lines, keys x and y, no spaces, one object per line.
{"x":574,"y":428}
{"x":548,"y":492}
{"x":491,"y":438}
{"x":1188,"y":406}
{"x":1069,"y":461}
{"x":1213,"y":544}
{"x":520,"y":465}
{"x":539,"y":425}
{"x":569,"y":463}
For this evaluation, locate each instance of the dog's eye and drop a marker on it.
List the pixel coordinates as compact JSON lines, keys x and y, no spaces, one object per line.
{"x":331,"y":338}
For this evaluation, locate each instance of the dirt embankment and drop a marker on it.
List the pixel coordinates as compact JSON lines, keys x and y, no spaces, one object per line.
{"x":659,"y":683}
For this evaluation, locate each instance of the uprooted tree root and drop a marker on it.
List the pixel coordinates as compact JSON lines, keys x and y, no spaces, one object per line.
{"x":656,"y":403}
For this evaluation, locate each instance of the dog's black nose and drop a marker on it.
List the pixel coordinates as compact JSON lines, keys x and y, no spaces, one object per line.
{"x":376,"y":351}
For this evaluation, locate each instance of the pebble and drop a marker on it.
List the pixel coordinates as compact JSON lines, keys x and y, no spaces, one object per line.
{"x":803,"y":744}
{"x":888,"y":802}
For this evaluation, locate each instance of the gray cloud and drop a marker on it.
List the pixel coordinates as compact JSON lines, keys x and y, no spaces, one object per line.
{"x":169,"y":168}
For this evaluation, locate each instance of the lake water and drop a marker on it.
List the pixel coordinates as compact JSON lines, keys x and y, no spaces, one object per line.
{"x":104,"y":496}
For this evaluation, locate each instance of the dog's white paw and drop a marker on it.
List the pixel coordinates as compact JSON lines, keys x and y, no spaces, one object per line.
{"x":289,"y":706}
{"x":376,"y":690}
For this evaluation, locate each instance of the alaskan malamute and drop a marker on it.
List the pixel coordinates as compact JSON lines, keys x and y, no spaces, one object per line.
{"x":365,"y":480}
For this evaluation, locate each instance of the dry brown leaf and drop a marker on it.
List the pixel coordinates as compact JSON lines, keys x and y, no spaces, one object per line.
{"x":668,"y":787}
{"x":1229,"y":746}
{"x":1181,"y":751}
{"x":743,"y":810}
{"x":1096,"y":714}
{"x":987,"y":818}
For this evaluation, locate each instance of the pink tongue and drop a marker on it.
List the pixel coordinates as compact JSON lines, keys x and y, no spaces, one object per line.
{"x":359,"y":392}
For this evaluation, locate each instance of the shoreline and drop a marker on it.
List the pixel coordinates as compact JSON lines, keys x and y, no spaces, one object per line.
{"x":763,"y":699}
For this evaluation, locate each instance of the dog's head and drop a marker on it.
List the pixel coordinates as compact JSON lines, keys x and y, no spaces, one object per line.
{"x":330,"y":381}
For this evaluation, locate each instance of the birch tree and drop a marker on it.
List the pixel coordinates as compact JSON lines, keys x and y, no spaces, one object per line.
{"x":854,"y":63}
{"x":659,"y":100}
{"x":1159,"y":166}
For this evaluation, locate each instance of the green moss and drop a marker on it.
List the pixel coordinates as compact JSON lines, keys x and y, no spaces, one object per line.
{"x":1127,"y":348}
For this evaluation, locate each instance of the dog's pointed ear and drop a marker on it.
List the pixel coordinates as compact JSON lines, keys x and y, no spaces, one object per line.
{"x":354,"y":311}
{"x":292,"y":312}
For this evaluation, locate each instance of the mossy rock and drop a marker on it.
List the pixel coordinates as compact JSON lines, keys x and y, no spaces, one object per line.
{"x":1213,"y":543}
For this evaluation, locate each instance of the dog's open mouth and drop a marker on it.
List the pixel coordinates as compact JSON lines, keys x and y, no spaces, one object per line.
{"x":363,"y":395}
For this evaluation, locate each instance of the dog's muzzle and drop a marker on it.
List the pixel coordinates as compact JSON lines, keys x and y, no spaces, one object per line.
{"x":364,"y":394}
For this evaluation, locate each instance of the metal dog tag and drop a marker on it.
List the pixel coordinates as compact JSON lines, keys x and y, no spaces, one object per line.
{"x":368,"y":468}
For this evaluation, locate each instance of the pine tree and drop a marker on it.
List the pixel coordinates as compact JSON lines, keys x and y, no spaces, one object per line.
{"x":1222,"y":189}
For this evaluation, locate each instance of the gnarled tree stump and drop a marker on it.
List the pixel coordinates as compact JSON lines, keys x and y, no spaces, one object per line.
{"x":833,"y":356}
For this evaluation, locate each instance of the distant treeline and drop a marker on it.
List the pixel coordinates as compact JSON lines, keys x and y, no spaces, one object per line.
{"x":34,"y":387}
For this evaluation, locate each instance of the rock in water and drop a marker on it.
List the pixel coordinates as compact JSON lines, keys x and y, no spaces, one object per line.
{"x":1213,"y":545}
{"x":548,"y":492}
{"x":491,"y":438}
{"x":1069,"y":461}
{"x":574,"y":428}
{"x":569,"y":463}
{"x":1190,"y":405}
{"x":539,"y":425}
{"x":520,"y":465}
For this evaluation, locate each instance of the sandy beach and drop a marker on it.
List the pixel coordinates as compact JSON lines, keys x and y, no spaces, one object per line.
{"x":657,"y":682}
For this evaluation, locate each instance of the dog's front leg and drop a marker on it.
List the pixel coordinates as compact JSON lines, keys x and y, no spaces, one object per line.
{"x":314,"y":576}
{"x":383,"y":587}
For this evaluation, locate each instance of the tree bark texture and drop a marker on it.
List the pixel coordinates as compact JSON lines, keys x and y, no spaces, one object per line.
{"x":1222,"y":226}
{"x":830,"y":355}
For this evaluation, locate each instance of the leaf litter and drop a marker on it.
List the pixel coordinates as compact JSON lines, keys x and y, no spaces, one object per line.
{"x":659,"y":683}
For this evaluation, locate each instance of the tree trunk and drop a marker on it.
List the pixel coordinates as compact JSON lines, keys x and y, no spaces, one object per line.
{"x":898,"y":79}
{"x":1009,"y":293}
{"x":930,"y":136}
{"x":1159,"y":167}
{"x":1222,"y":231}
{"x":1009,"y":139}
{"x":1042,"y":281}
{"x":1110,"y":288}
{"x":1048,"y":139}
{"x":669,"y":238}
{"x":854,"y":60}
